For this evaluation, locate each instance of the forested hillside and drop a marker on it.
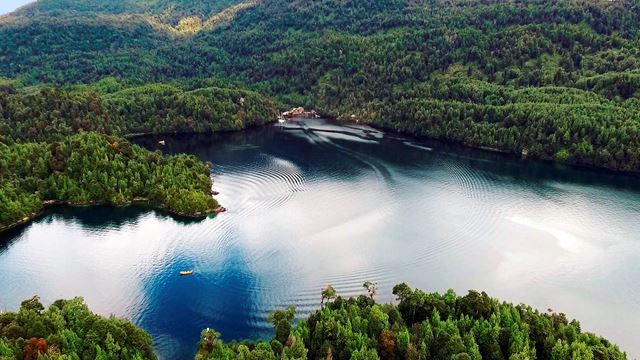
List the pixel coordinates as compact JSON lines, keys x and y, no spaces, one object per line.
{"x":52,"y":150}
{"x":555,"y":79}
{"x":167,"y":10}
{"x":422,"y":326}
{"x":108,"y":106}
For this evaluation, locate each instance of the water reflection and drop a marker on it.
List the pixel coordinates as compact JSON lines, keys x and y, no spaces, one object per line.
{"x":314,"y":203}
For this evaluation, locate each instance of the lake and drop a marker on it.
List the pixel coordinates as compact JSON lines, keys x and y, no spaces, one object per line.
{"x":313,"y":203}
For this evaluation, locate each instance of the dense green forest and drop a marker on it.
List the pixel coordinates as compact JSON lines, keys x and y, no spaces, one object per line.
{"x":111,"y":107}
{"x":421,"y":326}
{"x":555,"y":79}
{"x":94,"y":168}
{"x":68,"y":330}
{"x":51,"y":150}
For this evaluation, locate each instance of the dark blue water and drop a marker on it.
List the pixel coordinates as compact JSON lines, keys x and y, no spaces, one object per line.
{"x":313,"y":203}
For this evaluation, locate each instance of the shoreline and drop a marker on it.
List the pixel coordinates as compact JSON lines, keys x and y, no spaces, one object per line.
{"x":48,"y":204}
{"x":515,"y":155}
{"x":206,"y":132}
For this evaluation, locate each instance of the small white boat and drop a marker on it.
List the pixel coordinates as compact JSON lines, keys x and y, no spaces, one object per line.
{"x":161,"y":142}
{"x":187,"y":272}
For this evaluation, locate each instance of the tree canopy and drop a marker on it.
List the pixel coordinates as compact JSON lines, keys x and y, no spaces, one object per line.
{"x":552,"y":79}
{"x":68,"y":330}
{"x":94,"y":168}
{"x":421,"y":326}
{"x":66,"y":146}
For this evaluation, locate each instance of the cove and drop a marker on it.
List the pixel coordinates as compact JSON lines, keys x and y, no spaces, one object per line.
{"x":312,"y":203}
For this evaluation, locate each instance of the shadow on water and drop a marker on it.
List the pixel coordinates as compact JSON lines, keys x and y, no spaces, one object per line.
{"x":91,"y":218}
{"x":390,"y":148}
{"x":222,"y":297}
{"x":240,"y":147}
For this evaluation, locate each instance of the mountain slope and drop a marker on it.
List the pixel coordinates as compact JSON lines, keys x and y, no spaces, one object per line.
{"x":71,"y":41}
{"x":169,"y":11}
{"x":466,"y":71}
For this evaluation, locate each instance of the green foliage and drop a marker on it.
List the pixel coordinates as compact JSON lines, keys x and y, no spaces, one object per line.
{"x":558,"y":79}
{"x":48,"y":114}
{"x":69,"y":330}
{"x":281,"y":321}
{"x":475,"y":327}
{"x":548,"y":123}
{"x":168,"y":10}
{"x":89,"y":168}
{"x":94,"y":168}
{"x":328,"y":294}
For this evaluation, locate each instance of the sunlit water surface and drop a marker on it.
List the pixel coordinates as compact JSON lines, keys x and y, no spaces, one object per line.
{"x":312,"y":203}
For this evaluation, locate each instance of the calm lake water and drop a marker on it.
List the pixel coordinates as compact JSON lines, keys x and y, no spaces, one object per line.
{"x":314,"y":203}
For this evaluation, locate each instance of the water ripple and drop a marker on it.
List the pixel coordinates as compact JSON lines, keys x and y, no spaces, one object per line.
{"x":315,"y":203}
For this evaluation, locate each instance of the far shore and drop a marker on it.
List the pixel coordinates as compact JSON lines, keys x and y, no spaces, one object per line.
{"x":548,"y":159}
